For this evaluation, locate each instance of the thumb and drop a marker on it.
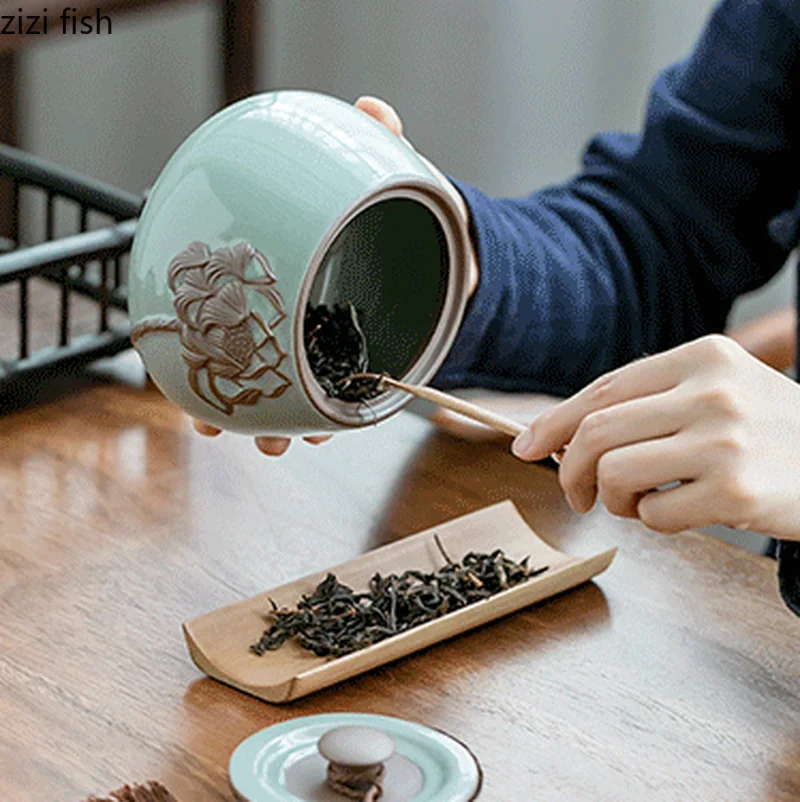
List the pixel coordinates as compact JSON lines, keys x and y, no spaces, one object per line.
{"x":381,"y":111}
{"x":524,"y":446}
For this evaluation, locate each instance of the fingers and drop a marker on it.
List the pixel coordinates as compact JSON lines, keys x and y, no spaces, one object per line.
{"x":206,"y":429}
{"x":316,"y":439}
{"x":608,"y":429}
{"x":626,"y":475}
{"x":552,"y":430}
{"x":277,"y":446}
{"x":381,"y":111}
{"x":272,"y":446}
{"x":683,"y":507}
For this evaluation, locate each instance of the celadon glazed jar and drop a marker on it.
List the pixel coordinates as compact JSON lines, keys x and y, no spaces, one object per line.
{"x":279,"y":201}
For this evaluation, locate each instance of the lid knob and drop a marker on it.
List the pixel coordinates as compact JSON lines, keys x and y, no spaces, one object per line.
{"x":355,"y":758}
{"x":356,"y":746}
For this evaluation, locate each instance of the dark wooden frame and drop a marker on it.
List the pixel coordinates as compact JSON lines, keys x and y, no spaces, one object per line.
{"x":8,"y":132}
{"x":238,"y":46}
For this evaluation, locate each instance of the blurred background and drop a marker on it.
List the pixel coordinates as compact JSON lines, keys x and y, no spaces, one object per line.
{"x":501,"y":93}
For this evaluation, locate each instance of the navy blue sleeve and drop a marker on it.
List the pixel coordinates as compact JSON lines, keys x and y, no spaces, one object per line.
{"x":652,"y":242}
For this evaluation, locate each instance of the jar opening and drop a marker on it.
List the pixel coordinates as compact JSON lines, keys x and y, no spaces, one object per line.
{"x":390,"y":270}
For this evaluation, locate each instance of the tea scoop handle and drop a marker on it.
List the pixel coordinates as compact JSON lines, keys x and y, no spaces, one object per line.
{"x":460,"y":406}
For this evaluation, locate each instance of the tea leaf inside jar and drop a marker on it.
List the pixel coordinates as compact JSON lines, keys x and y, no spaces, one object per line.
{"x":336,"y":349}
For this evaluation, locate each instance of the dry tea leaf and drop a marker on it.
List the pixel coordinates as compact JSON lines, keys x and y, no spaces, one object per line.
{"x":335,"y":620}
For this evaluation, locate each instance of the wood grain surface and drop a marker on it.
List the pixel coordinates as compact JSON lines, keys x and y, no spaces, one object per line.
{"x":676,"y":676}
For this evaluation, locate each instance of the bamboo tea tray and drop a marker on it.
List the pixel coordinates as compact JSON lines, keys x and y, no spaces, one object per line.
{"x":219,"y":641}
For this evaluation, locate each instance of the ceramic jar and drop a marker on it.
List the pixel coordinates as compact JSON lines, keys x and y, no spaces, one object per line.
{"x":278,"y":201}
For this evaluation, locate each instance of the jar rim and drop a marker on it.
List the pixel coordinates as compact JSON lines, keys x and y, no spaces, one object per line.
{"x":440,"y":205}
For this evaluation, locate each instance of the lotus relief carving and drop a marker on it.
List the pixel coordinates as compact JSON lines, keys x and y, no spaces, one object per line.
{"x":230,"y":349}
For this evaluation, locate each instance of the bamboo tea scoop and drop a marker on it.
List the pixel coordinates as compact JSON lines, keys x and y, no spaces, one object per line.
{"x":458,"y":405}
{"x":451,"y":402}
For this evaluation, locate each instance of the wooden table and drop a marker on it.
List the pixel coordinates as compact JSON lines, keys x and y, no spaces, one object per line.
{"x":675,"y":677}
